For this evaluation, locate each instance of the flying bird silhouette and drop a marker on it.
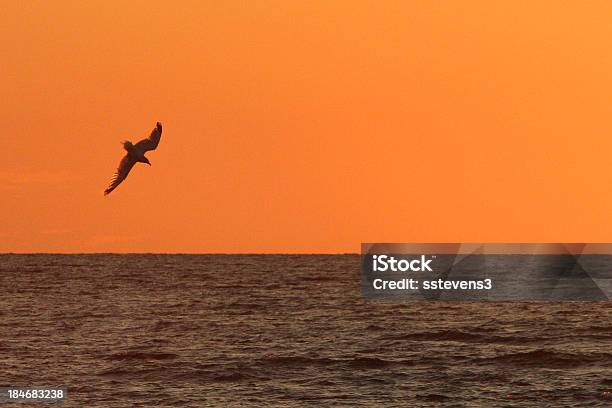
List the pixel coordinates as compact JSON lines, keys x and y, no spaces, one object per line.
{"x":135,"y":154}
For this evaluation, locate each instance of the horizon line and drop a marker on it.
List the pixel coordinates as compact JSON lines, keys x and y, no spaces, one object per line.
{"x":179,"y":253}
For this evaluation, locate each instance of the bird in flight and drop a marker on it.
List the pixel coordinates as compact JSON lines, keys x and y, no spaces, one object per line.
{"x":135,"y":154}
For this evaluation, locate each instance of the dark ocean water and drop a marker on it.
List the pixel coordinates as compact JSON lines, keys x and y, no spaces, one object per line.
{"x":280,"y":330}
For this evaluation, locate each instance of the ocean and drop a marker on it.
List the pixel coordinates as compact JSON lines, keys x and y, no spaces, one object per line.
{"x":157,"y":330}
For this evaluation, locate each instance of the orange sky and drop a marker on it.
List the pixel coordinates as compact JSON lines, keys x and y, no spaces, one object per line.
{"x":299,"y":126}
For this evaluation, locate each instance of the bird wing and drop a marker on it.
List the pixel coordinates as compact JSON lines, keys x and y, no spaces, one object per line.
{"x":151,"y":142}
{"x":124,"y":168}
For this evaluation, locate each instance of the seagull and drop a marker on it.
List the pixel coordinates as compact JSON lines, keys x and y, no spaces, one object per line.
{"x":135,"y":154}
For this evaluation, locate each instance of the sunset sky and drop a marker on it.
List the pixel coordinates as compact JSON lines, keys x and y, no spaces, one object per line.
{"x":304,"y":126}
